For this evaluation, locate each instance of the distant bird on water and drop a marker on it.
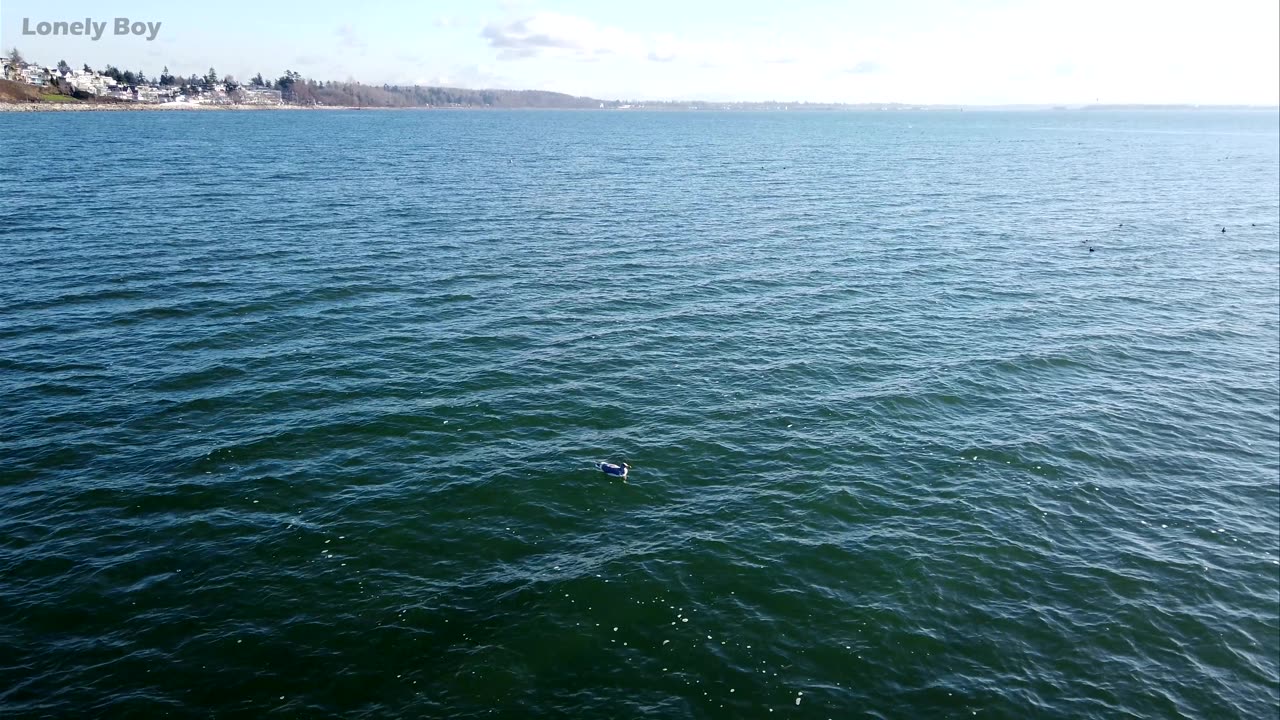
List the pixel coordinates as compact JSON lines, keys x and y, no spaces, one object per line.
{"x":614,"y":469}
{"x":1224,"y":228}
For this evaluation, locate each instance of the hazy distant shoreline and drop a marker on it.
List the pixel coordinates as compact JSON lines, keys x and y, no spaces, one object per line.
{"x":136,"y":107}
{"x":188,"y":107}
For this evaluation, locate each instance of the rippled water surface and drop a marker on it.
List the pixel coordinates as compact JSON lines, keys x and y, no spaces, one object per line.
{"x":299,"y":410}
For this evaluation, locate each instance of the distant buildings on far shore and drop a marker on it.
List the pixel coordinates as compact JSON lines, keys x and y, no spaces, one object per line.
{"x":100,"y":86}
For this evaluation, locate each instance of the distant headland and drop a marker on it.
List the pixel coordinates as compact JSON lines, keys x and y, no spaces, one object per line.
{"x":28,"y":85}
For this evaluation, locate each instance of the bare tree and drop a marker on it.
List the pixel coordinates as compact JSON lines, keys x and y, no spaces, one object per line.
{"x":15,"y":61}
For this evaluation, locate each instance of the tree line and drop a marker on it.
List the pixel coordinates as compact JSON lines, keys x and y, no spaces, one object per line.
{"x":296,"y":89}
{"x":353,"y":94}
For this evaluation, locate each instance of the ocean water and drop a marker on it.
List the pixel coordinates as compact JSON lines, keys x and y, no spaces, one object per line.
{"x":299,"y":410}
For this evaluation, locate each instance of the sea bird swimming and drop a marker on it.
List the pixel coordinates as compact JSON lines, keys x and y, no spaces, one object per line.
{"x":614,"y":469}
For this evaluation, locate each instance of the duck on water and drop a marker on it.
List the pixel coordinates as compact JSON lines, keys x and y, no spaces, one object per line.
{"x":614,"y":469}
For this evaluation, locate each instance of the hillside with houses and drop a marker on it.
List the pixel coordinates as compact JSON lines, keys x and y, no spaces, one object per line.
{"x":63,"y":82}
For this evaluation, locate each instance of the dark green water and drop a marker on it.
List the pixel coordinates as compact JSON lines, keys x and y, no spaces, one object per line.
{"x":299,"y":411}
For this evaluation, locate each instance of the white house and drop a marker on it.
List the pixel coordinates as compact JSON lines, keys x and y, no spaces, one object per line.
{"x":35,"y":75}
{"x":261,"y":96}
{"x":90,"y":82}
{"x":148,"y":94}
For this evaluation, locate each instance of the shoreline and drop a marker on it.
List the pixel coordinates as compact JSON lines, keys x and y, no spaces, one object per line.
{"x":161,"y":107}
{"x":19,"y":107}
{"x":185,"y":107}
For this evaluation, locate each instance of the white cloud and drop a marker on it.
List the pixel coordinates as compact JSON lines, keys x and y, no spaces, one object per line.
{"x":555,"y":35}
{"x":865,"y":67}
{"x":1034,"y":51}
{"x":348,"y":37}
{"x":663,"y":49}
{"x":477,"y":77}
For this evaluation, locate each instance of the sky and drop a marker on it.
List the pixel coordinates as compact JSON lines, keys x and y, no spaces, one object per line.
{"x":969,"y":52}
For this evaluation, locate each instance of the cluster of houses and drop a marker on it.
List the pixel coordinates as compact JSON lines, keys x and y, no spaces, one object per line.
{"x":98,"y":85}
{"x":28,"y":73}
